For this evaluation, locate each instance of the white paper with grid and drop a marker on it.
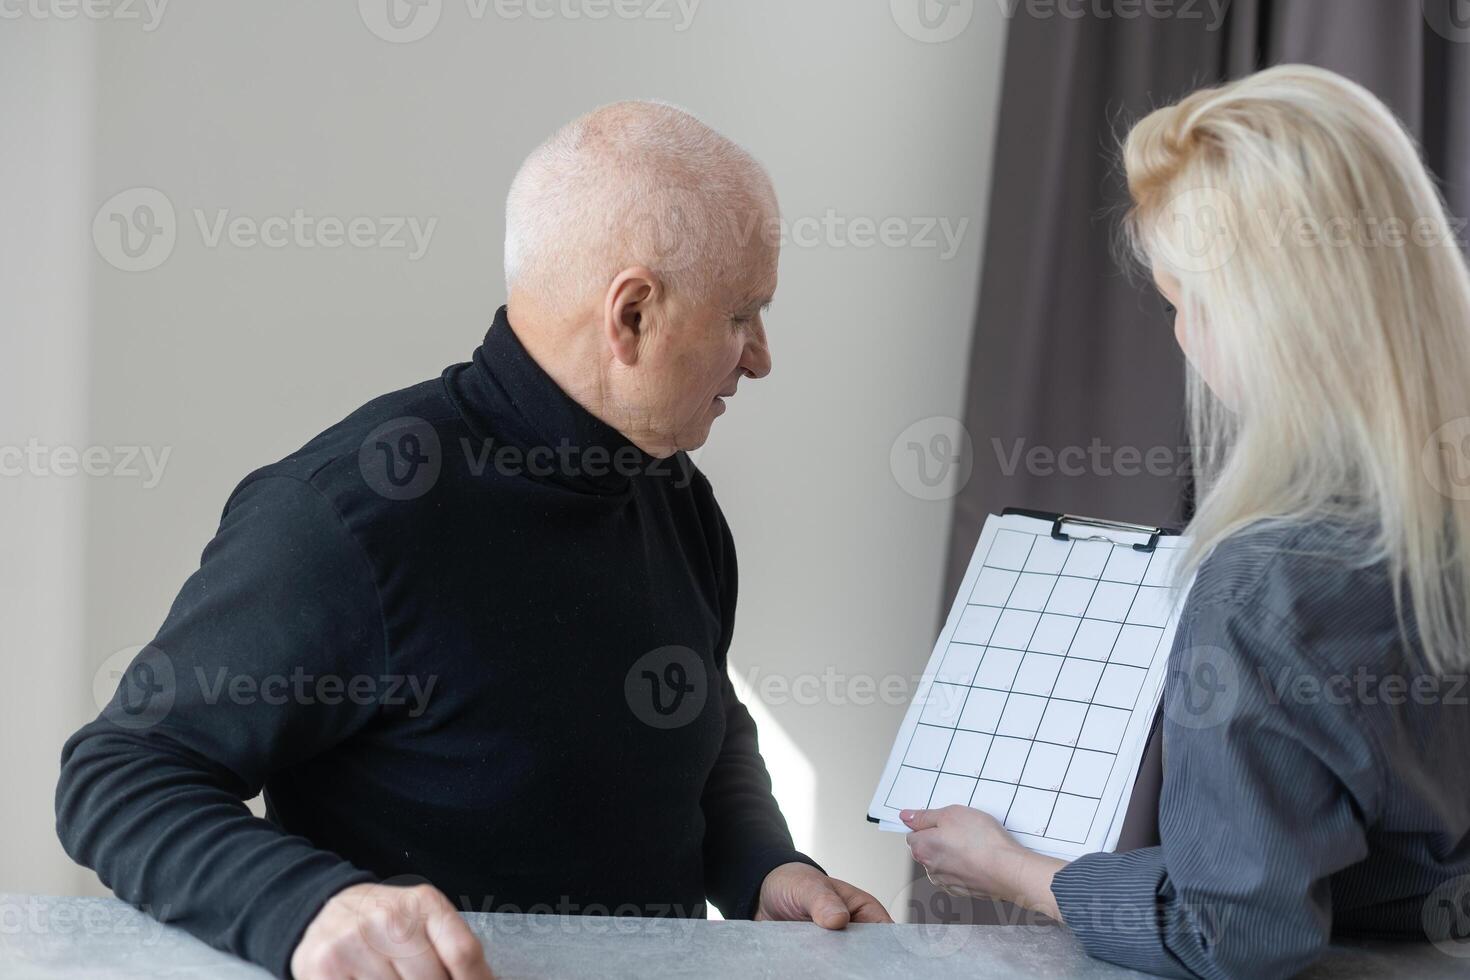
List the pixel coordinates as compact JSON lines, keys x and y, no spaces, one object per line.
{"x":1038,"y":698}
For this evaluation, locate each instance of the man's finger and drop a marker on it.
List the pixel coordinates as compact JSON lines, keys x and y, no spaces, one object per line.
{"x":458,"y":947}
{"x":822,"y":904}
{"x":424,"y":966}
{"x":919,"y":819}
{"x":862,"y":906}
{"x":356,"y":960}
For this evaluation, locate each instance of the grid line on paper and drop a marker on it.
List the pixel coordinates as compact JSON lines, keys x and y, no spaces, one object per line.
{"x":1032,"y":741}
{"x":1112,"y":649}
{"x":981,"y":731}
{"x":981,"y":768}
{"x":1091,"y":703}
{"x":1056,"y":614}
{"x":1005,"y":704}
{"x":1045,"y":789}
{"x":968,"y":774}
{"x":972,"y":601}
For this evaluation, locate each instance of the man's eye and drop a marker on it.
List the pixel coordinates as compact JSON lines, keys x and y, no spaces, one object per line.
{"x":1169,"y":309}
{"x":741,"y":319}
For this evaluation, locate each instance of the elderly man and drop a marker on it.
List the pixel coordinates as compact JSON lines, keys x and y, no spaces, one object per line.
{"x":471,"y":641}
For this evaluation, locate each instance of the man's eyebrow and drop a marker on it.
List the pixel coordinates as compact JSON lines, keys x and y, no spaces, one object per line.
{"x":763,"y":302}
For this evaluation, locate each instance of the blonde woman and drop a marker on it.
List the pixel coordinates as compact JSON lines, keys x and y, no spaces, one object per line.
{"x":1316,"y":733}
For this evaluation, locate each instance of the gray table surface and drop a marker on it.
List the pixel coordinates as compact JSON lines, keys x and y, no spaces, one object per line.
{"x":46,"y":937}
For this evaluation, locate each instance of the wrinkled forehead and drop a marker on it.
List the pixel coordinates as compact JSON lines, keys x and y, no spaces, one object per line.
{"x":750,"y":280}
{"x":739,"y":249}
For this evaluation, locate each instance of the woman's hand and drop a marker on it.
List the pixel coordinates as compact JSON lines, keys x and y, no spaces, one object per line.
{"x":968,"y":853}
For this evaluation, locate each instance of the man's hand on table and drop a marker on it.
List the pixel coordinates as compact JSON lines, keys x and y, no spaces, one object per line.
{"x":799,"y":892}
{"x":967,"y":852}
{"x":382,"y":932}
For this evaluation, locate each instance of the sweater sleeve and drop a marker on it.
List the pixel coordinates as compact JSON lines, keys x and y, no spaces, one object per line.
{"x":151,"y":794}
{"x":745,"y":834}
{"x":1255,"y":816}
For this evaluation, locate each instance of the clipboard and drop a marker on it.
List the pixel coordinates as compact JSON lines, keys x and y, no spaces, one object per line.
{"x":1102,"y":528}
{"x":1041,"y":700}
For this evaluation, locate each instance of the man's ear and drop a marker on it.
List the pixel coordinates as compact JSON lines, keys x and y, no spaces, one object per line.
{"x":625,"y":311}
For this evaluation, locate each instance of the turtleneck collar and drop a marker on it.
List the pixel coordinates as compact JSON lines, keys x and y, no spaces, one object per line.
{"x":507,"y":399}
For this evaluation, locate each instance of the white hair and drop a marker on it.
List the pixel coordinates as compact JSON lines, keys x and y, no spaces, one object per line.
{"x":632,"y":183}
{"x":1331,"y":305}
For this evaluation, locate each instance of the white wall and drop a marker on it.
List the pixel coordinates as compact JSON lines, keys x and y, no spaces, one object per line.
{"x":228,"y":357}
{"x":45,"y":256}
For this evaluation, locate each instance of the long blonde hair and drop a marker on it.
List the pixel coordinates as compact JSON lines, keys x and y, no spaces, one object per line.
{"x":1328,"y":296}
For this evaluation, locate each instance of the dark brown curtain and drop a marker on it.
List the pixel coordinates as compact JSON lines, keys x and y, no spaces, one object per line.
{"x":1076,"y":385}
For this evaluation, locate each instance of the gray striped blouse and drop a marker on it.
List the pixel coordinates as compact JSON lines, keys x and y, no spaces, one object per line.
{"x":1315,"y":780}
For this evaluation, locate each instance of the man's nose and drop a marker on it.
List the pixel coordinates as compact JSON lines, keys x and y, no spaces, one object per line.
{"x":756,"y":363}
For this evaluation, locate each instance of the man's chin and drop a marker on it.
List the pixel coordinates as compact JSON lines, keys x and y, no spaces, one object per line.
{"x":694,"y":439}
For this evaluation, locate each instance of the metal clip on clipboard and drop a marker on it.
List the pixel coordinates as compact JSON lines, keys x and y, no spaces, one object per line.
{"x":1058,"y":520}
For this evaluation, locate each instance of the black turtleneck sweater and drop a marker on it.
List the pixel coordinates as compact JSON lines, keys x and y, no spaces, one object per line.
{"x":470,"y":634}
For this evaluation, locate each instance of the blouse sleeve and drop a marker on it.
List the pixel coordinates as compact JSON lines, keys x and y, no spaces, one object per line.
{"x":1255,"y":815}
